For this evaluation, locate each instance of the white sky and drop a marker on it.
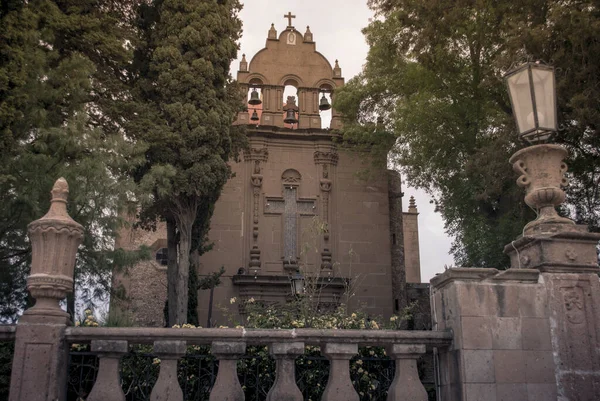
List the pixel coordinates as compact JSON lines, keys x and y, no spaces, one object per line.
{"x":336,"y":26}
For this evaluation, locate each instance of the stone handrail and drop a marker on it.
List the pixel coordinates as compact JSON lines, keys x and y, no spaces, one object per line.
{"x":8,"y":332}
{"x":229,"y":345}
{"x":146,"y":335}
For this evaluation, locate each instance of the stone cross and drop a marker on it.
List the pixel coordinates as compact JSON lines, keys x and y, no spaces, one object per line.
{"x":290,"y":207}
{"x":289,"y":16}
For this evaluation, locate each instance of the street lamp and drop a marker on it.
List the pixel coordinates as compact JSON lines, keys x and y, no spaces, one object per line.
{"x":297,"y":282}
{"x":541,"y":166}
{"x":532,"y":91}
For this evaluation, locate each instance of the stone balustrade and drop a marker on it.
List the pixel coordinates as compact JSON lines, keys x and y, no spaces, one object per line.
{"x":229,"y":345}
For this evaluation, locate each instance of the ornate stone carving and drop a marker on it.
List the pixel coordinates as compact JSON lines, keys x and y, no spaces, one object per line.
{"x":256,"y":180}
{"x":571,"y":254}
{"x":325,"y":186}
{"x":330,"y":157}
{"x":326,"y":259}
{"x":255,"y":257}
{"x":54,"y":242}
{"x":260,"y":154}
{"x":291,"y":176}
{"x":542,"y":174}
{"x":574,"y":304}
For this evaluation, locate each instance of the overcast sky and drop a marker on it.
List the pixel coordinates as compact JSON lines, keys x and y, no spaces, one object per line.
{"x":336,"y":26}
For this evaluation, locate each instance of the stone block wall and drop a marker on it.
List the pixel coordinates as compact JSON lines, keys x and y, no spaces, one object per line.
{"x":513,"y":338}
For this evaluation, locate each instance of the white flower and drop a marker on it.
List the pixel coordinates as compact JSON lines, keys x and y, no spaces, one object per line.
{"x":251,"y":300}
{"x":232,"y":300}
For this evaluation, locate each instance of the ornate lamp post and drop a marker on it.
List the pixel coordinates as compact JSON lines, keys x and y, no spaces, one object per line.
{"x":541,"y":166}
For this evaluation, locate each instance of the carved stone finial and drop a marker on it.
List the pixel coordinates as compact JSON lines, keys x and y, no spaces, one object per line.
{"x":54,"y":242}
{"x":243,"y":63}
{"x":60,"y":190}
{"x":412,"y":205}
{"x":272,"y":32}
{"x":337,"y":71}
{"x":308,"y":36}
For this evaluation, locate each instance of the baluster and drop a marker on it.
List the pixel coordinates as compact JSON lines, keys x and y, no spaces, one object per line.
{"x":167,"y":386}
{"x":339,"y":386}
{"x":406,"y":384}
{"x":107,"y":386}
{"x":227,"y":385}
{"x":285,"y":388}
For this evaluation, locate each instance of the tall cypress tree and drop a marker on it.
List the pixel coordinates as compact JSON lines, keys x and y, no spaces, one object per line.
{"x":185,"y":104}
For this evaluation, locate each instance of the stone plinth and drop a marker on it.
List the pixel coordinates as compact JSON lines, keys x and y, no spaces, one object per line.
{"x":571,"y":251}
{"x":519,"y":334}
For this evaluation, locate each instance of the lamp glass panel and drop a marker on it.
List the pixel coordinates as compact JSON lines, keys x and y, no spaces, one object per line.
{"x":520,"y":95}
{"x":543,"y":84}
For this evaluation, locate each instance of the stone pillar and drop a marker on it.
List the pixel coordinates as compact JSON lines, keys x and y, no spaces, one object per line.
{"x":406,"y":384}
{"x":167,"y":386}
{"x":285,"y":388}
{"x":39,"y":368}
{"x":227,"y":385}
{"x":327,"y":157}
{"x":502,"y":345}
{"x":256,"y":156}
{"x":395,"y":195}
{"x":339,"y":386}
{"x":107,"y":386}
{"x":412,"y":258}
{"x":531,"y":332}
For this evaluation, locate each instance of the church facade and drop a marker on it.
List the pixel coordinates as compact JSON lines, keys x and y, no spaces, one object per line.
{"x":298,"y":203}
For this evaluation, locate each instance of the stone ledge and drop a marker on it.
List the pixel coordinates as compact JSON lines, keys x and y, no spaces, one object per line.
{"x":517,"y":275}
{"x":110,"y":346}
{"x":146,"y":335}
{"x":462,"y":274}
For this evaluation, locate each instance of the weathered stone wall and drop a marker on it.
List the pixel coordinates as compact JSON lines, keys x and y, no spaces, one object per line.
{"x":140,"y":291}
{"x":518,"y":334}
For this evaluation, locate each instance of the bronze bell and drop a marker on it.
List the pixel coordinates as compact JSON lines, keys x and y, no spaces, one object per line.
{"x":290,"y":117}
{"x":254,"y":116}
{"x":254,"y":98}
{"x":324,"y":104}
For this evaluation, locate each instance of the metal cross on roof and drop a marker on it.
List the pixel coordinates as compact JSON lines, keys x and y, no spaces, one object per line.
{"x":289,"y":16}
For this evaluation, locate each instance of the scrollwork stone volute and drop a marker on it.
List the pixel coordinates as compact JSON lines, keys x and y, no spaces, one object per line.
{"x":329,"y":157}
{"x":54,"y":242}
{"x":260,"y":154}
{"x":542,"y":171}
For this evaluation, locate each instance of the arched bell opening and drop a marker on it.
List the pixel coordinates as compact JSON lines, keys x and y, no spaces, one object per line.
{"x":255,"y":101}
{"x":325,"y":104}
{"x":290,"y":104}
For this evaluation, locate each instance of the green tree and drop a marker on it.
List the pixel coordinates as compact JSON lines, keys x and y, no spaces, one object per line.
{"x":185,"y":103}
{"x":54,"y":83}
{"x":433,"y":78}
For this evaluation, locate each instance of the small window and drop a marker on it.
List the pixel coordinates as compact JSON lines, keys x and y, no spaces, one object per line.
{"x":162,"y":256}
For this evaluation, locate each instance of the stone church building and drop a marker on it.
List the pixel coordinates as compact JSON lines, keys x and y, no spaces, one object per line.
{"x":298,"y":202}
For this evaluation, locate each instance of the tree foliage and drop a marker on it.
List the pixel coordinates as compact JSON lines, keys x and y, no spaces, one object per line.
{"x":433,"y":79}
{"x":185,"y":103}
{"x":60,"y":64}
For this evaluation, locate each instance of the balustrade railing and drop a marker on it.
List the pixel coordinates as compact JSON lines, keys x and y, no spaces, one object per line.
{"x":229,"y":345}
{"x":43,"y":335}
